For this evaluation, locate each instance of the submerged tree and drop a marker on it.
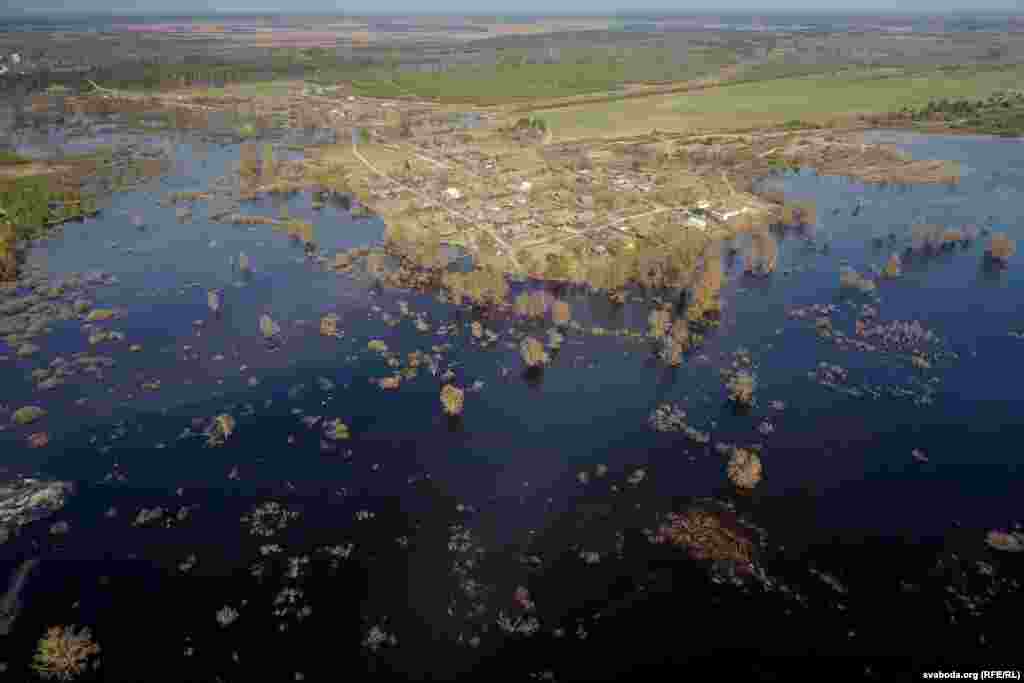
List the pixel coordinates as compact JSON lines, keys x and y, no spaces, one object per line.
{"x":329,"y":325}
{"x":536,"y":304}
{"x":675,"y":343}
{"x":680,"y":333}
{"x":65,"y":653}
{"x":706,"y":292}
{"x":533,"y":353}
{"x":220,"y":430}
{"x":763,"y":255}
{"x":8,"y":252}
{"x":482,"y":286}
{"x":213,"y":300}
{"x":522,"y":304}
{"x":268,"y":327}
{"x":560,"y":312}
{"x":741,"y":388}
{"x":659,"y":321}
{"x":851,"y":279}
{"x":893,"y":267}
{"x":799,"y":213}
{"x":1000,"y":248}
{"x":925,"y":237}
{"x":452,"y":399}
{"x":744,"y":468}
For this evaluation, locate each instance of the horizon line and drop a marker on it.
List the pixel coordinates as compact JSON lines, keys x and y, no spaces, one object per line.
{"x":633,"y":12}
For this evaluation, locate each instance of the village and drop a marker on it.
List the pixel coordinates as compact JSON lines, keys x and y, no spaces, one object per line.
{"x":526,"y":204}
{"x":480,"y":181}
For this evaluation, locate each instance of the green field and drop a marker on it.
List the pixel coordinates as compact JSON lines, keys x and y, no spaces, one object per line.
{"x":10,"y":159}
{"x":256,"y":89}
{"x":514,"y":78}
{"x":816,"y":99}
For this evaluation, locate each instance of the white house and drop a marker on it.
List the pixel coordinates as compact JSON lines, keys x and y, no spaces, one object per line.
{"x":453,"y":193}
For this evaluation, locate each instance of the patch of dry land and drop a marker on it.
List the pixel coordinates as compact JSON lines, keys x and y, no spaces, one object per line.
{"x":526,"y":204}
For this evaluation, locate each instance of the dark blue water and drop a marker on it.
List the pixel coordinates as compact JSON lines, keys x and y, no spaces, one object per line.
{"x":836,"y":466}
{"x":576,"y":416}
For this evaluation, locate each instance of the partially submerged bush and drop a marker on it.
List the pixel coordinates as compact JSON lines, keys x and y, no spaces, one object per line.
{"x":482,"y":286}
{"x":744,"y":468}
{"x":329,"y":325}
{"x":522,"y":304}
{"x":741,"y":388}
{"x":951,"y":237}
{"x":705,"y":294}
{"x":680,"y":333}
{"x":300,"y":230}
{"x":659,"y":322}
{"x":763,"y":255}
{"x":530,"y":305}
{"x":268,"y":328}
{"x":220,"y":429}
{"x":560,"y":312}
{"x":799,"y":213}
{"x":65,"y":653}
{"x":452,"y":399}
{"x":335,"y":430}
{"x":1008,"y":542}
{"x":213,"y":300}
{"x":925,"y":237}
{"x":851,"y":279}
{"x":537,"y":304}
{"x":893,"y":267}
{"x":533,"y":353}
{"x":555,"y":339}
{"x":27,"y":415}
{"x":671,"y":352}
{"x":707,"y":535}
{"x":1000,"y":248}
{"x":8,"y":252}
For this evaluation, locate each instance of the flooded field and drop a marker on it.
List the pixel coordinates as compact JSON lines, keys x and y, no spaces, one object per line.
{"x":334,"y":526}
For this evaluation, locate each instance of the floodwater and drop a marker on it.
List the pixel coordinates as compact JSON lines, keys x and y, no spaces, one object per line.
{"x":841,"y":490}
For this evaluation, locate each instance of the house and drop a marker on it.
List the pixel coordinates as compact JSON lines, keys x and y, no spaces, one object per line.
{"x":723,"y":216}
{"x":453,"y":193}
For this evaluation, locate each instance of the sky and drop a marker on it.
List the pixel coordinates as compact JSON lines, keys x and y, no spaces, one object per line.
{"x":493,"y":6}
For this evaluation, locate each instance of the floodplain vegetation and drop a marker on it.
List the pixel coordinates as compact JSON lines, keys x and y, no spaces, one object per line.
{"x":65,"y":653}
{"x":649,"y":215}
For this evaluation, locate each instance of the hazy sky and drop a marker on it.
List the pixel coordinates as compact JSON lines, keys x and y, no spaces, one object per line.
{"x":493,"y":6}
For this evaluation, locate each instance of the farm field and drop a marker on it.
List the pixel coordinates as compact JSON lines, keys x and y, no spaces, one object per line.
{"x":817,"y":99}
